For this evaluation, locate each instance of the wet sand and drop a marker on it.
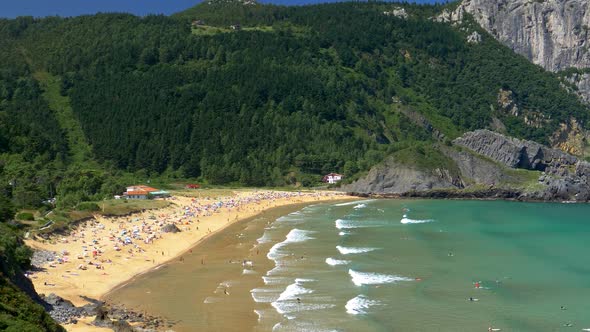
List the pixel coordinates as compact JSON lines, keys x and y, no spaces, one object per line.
{"x":210,"y":289}
{"x":91,"y":264}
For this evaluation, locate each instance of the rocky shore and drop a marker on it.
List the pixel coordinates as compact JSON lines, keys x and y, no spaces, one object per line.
{"x":116,"y":317}
{"x":484,"y":165}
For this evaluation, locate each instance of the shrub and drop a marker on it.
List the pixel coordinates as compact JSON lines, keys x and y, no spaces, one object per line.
{"x":25,"y":216}
{"x":87,"y":206}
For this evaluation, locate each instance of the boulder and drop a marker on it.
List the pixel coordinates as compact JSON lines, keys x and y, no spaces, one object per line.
{"x":170,"y":228}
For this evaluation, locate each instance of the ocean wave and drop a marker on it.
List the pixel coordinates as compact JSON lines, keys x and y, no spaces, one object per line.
{"x":369,"y":278}
{"x":360,"y":206}
{"x":294,"y":236}
{"x":353,"y":203}
{"x":333,"y":262}
{"x":270,"y":280}
{"x":264,"y":295}
{"x":293,"y":291}
{"x":406,"y":220}
{"x":265,"y":238}
{"x":359,"y":305}
{"x":342,"y":233}
{"x":349,"y":224}
{"x":350,"y":250}
{"x":288,"y":300}
{"x":298,"y":235}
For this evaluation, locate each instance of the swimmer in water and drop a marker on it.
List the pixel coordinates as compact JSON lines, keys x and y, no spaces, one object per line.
{"x":563,"y":308}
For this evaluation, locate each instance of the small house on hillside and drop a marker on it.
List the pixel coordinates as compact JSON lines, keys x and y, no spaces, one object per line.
{"x":332,"y":178}
{"x":235,"y":27}
{"x":197,"y":23}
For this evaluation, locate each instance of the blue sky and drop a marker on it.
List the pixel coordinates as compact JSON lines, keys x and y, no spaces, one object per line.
{"x":37,"y":8}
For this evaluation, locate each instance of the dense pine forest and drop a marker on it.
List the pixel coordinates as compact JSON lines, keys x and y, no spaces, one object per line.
{"x":287,"y":95}
{"x":238,"y":93}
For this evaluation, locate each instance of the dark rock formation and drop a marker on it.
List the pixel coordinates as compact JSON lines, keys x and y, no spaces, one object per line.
{"x":512,"y":152}
{"x":392,"y":177}
{"x":170,"y":228}
{"x":475,"y":169}
{"x":64,"y":312}
{"x":485,"y":158}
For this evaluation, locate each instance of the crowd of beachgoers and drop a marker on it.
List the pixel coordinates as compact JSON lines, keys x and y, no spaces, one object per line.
{"x":87,"y":246}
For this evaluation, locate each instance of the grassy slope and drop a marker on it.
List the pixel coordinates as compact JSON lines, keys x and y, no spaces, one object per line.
{"x":80,"y":150}
{"x":65,"y":219}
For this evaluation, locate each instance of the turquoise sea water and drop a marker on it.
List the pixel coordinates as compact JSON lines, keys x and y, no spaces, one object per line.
{"x":362,"y":266}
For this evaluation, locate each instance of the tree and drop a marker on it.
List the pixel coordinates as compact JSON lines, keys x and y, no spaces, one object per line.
{"x":7,"y":210}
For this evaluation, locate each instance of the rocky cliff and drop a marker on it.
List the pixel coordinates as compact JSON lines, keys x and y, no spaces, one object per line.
{"x":393,"y":177}
{"x":507,"y":167}
{"x":512,"y":152}
{"x":554,"y":34}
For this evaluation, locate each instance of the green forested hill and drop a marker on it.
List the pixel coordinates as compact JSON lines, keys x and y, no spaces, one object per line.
{"x":297,"y":92}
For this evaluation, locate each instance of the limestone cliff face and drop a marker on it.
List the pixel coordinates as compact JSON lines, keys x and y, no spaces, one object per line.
{"x":554,"y":34}
{"x":551,"y":33}
{"x":392,"y":177}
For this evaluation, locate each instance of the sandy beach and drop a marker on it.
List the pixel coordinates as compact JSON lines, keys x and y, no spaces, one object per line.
{"x":102,"y":253}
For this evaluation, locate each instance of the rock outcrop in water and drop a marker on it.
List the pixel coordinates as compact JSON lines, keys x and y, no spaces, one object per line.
{"x":485,"y":159}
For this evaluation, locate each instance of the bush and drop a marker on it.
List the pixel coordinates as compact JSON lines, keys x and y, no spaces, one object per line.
{"x":87,"y":206}
{"x":25,"y":216}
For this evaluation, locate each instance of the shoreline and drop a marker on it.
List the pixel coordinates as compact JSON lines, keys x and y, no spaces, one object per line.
{"x":493,"y":194}
{"x":216,"y":232}
{"x":204,"y":286}
{"x":121,"y":268}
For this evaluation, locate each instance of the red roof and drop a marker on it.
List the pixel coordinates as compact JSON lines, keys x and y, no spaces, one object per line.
{"x":142,"y":188}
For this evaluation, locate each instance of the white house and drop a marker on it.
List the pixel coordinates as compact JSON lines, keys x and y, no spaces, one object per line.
{"x":332,"y":178}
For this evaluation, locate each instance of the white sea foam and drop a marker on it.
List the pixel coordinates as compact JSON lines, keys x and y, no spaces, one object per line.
{"x":342,"y":233}
{"x":265,"y":238}
{"x":293,"y":291}
{"x":369,"y":278}
{"x":270,"y":280}
{"x":211,"y":299}
{"x":298,"y":235}
{"x":264,"y":295}
{"x":359,"y":305}
{"x":351,"y":250}
{"x":344,"y":224}
{"x":333,"y":262}
{"x":349,"y":224}
{"x":360,"y":206}
{"x":406,"y":220}
{"x":353,"y":203}
{"x":248,"y":271}
{"x":294,"y":236}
